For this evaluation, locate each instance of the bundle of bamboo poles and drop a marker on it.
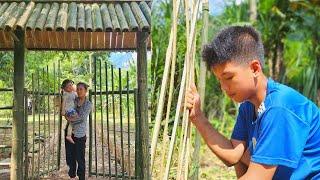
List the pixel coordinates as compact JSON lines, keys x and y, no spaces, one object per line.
{"x":191,"y":10}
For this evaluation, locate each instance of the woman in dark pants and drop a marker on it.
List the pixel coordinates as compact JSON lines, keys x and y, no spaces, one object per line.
{"x":75,"y":153}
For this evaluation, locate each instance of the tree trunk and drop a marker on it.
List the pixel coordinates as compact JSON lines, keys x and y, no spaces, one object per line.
{"x":279,"y":61}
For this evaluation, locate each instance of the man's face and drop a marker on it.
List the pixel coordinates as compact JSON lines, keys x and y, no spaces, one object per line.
{"x":237,"y":80}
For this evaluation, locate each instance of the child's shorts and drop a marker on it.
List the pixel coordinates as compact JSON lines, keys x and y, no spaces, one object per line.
{"x":71,"y":112}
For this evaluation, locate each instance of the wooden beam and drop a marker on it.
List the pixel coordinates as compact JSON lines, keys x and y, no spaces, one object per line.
{"x":18,"y":107}
{"x":142,"y":144}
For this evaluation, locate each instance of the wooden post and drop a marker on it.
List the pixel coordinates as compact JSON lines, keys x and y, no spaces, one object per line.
{"x":18,"y":108}
{"x":143,"y":159}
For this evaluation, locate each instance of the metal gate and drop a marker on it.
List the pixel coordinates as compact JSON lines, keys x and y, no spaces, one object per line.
{"x":112,"y":123}
{"x":44,"y":122}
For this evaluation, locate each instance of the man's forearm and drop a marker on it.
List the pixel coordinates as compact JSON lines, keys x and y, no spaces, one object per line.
{"x":219,"y":145}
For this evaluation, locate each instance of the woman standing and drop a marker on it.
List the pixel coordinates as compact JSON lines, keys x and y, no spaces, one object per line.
{"x":75,"y":153}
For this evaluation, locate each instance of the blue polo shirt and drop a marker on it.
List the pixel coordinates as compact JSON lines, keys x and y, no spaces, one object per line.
{"x":285,"y":132}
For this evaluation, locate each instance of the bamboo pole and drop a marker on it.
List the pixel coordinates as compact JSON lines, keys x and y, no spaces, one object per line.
{"x":33,"y":18}
{"x":106,"y":19}
{"x":146,"y":10}
{"x":3,"y":7}
{"x":13,"y":19}
{"x":72,"y":17}
{"x":6,"y":15}
{"x":173,"y":62}
{"x":81,"y":18}
{"x":160,"y":106}
{"x":141,"y":19}
{"x":52,"y":15}
{"x":97,"y":21}
{"x":133,"y":25}
{"x":114,"y":18}
{"x":42,"y":17}
{"x":88,"y":18}
{"x":62,"y":18}
{"x":143,"y":133}
{"x":18,"y":108}
{"x":122,"y":20}
{"x":190,"y":59}
{"x":202,"y":87}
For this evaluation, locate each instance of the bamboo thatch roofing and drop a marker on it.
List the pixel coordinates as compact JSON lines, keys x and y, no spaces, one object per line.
{"x":76,"y":25}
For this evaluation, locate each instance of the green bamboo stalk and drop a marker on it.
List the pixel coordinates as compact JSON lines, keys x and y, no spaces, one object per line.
{"x":141,"y":19}
{"x":13,"y":19}
{"x":114,"y":18}
{"x":62,"y":18}
{"x":52,"y":17}
{"x":42,"y":17}
{"x":122,"y":20}
{"x":34,"y":16}
{"x":72,"y":17}
{"x":133,"y":25}
{"x":88,"y":18}
{"x":97,"y":21}
{"x":202,"y":90}
{"x":146,"y":10}
{"x":106,"y":18}
{"x":81,"y":17}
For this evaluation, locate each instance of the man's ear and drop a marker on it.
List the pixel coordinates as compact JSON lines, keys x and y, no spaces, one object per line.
{"x":255,"y":67}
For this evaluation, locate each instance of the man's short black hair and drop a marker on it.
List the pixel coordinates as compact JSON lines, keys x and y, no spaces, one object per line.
{"x":235,"y":43}
{"x":86,"y":86}
{"x":65,"y":82}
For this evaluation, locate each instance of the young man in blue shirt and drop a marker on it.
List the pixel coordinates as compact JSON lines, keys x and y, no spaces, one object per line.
{"x":277,"y":131}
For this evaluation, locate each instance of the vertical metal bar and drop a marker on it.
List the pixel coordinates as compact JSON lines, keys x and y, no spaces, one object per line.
{"x":101,"y":111}
{"x":33,"y":124}
{"x":114,"y":124}
{"x":26,"y":148}
{"x":95,"y":115}
{"x":128,"y":117}
{"x":54,"y":113}
{"x":121,"y":123}
{"x":49,"y":139}
{"x":39,"y":114}
{"x":60,"y":117}
{"x":107,"y":110}
{"x":90,"y":135}
{"x":137,"y":129}
{"x":18,"y":109}
{"x":44,"y":120}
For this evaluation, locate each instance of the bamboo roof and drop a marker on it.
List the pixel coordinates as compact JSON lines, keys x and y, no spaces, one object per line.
{"x":74,"y":25}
